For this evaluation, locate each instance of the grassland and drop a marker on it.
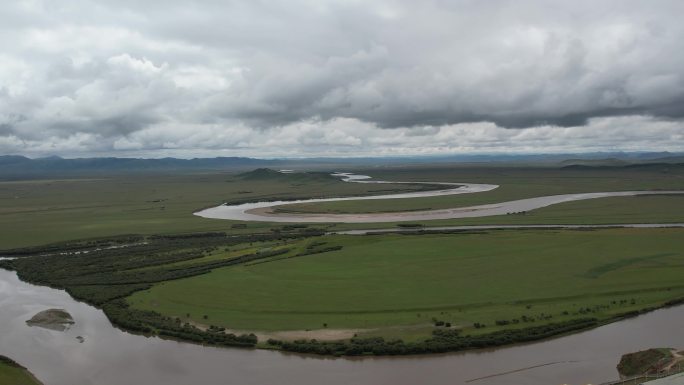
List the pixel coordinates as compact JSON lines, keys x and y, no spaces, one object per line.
{"x":36,"y":212}
{"x":430,"y":292}
{"x":515,"y":183}
{"x":435,"y":292}
{"x":12,"y":373}
{"x":399,"y":285}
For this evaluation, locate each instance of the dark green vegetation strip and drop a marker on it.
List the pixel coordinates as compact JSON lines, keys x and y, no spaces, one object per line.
{"x":11,"y":373}
{"x":442,"y":340}
{"x":103,"y":272}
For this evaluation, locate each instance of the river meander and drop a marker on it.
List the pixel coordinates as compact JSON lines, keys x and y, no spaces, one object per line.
{"x":109,"y":356}
{"x":263,"y":211}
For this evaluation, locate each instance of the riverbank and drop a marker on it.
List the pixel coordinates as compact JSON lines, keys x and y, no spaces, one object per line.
{"x":579,"y":358}
{"x":420,"y":301}
{"x":265,"y":211}
{"x":11,"y":373}
{"x":285,"y":210}
{"x":433,"y":300}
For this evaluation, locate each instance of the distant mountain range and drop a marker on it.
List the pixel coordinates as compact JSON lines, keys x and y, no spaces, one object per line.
{"x":15,"y":166}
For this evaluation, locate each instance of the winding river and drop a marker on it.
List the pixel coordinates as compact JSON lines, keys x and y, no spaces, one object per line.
{"x":109,"y":356}
{"x":262,"y":211}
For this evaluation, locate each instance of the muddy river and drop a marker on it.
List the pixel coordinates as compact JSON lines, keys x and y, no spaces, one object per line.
{"x":109,"y":356}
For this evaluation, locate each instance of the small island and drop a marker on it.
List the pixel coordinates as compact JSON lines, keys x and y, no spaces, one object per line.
{"x":53,"y":319}
{"x":657,"y":361}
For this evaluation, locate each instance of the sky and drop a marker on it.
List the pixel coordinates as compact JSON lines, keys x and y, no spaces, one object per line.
{"x":300,"y":78}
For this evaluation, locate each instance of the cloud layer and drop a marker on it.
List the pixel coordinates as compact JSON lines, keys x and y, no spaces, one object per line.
{"x":302,"y":78}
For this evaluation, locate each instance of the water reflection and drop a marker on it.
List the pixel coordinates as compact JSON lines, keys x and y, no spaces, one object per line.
{"x":109,"y":356}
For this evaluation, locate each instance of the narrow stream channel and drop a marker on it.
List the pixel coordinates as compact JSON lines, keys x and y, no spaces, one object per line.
{"x":109,"y":356}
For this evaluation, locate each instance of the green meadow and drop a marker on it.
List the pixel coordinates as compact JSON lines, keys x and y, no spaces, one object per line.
{"x":177,"y":274}
{"x":37,"y":212}
{"x":40,"y":211}
{"x":400,"y":285}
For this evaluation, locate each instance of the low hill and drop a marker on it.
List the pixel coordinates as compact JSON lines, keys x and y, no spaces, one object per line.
{"x":21,"y":167}
{"x":595,"y":162}
{"x":262,"y":174}
{"x":664,"y":167}
{"x":269,"y":174}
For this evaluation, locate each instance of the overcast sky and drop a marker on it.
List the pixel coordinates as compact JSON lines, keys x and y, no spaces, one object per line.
{"x":309,"y":78}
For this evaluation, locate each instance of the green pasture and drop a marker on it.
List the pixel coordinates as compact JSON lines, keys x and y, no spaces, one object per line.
{"x":398,"y":285}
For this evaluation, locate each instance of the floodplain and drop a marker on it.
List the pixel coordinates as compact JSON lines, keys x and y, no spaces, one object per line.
{"x":130,"y":245}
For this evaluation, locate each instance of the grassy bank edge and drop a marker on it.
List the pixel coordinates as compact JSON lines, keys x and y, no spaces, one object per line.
{"x":10,"y":363}
{"x":208,"y":338}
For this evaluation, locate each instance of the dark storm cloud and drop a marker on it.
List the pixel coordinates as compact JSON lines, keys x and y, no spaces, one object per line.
{"x":174,"y":73}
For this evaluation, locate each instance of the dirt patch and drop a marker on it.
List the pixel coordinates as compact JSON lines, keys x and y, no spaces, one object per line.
{"x":318,"y":334}
{"x":291,"y":335}
{"x":677,"y":359}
